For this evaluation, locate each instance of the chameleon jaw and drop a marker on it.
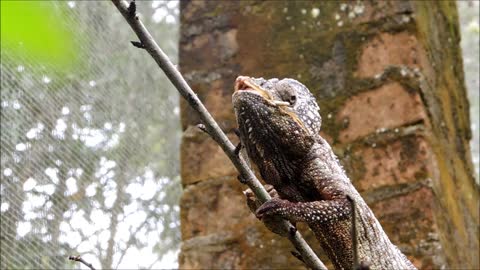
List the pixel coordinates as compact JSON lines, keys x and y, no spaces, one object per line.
{"x":246,"y":84}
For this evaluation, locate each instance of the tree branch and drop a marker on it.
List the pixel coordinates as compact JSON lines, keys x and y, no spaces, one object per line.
{"x":211,"y":127}
{"x":79,"y":259}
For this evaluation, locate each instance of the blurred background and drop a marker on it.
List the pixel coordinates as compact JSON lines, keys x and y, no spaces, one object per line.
{"x":468,"y":12}
{"x":90,"y":137}
{"x":90,"y":134}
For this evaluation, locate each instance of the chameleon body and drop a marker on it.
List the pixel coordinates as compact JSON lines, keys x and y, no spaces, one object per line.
{"x":279,"y":124}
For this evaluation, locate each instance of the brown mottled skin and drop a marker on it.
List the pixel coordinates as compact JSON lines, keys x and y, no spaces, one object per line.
{"x":279,"y":125}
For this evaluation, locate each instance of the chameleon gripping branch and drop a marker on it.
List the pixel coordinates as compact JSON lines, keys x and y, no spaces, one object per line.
{"x":308,"y":182}
{"x":148,"y":43}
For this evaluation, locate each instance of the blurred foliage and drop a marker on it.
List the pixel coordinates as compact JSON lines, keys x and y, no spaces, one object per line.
{"x":34,"y":28}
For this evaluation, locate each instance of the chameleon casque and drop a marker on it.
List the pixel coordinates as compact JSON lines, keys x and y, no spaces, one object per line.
{"x":279,"y":124}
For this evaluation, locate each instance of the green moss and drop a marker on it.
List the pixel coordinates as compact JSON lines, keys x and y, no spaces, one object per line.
{"x":421,"y":175}
{"x":353,"y":163}
{"x":324,"y":56}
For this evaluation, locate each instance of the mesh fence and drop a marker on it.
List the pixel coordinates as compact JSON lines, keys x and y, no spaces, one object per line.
{"x":89,"y":157}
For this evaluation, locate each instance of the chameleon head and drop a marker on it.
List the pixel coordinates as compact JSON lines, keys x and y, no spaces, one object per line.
{"x":274,"y":109}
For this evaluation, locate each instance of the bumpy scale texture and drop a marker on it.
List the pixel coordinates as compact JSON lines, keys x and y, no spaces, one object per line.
{"x":279,"y":125}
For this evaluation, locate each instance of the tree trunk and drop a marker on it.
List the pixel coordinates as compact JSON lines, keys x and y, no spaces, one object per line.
{"x":389,"y":81}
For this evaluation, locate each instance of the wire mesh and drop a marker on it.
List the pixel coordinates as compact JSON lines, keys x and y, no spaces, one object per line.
{"x":89,"y":158}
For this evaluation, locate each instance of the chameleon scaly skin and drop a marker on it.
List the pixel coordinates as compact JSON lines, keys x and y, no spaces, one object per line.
{"x":279,"y":125}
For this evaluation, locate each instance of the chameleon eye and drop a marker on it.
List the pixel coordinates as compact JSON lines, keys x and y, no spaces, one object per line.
{"x":292,"y":99}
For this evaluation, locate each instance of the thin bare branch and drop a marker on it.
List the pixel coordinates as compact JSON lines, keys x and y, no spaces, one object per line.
{"x":79,"y":259}
{"x":212,"y":128}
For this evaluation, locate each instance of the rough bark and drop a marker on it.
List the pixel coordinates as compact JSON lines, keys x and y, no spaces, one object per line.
{"x":389,"y":81}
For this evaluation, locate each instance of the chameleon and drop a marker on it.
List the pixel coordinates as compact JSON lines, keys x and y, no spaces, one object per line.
{"x":279,"y":123}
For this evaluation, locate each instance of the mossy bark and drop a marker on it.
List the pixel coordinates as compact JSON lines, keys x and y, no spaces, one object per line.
{"x":389,"y":81}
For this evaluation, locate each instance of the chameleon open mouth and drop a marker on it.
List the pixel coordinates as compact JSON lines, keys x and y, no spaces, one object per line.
{"x":246,"y":84}
{"x":243,"y":83}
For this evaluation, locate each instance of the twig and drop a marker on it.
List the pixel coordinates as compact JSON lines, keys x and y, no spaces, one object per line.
{"x":132,"y":9}
{"x":138,"y":44}
{"x":79,"y":259}
{"x":212,"y":128}
{"x":203,"y":128}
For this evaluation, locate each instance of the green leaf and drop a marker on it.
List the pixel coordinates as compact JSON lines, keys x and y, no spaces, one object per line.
{"x":38,"y":29}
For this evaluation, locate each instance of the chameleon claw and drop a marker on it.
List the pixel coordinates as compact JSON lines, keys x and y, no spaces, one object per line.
{"x":268,"y":208}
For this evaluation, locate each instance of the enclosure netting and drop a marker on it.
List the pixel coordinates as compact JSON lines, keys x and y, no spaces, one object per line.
{"x":89,"y":157}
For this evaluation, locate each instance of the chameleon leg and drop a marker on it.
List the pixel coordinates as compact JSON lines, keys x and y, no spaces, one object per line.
{"x":310,"y":212}
{"x":271,"y":222}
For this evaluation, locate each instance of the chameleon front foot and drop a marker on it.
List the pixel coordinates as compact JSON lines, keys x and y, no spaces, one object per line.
{"x":273,"y":223}
{"x":271,"y":207}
